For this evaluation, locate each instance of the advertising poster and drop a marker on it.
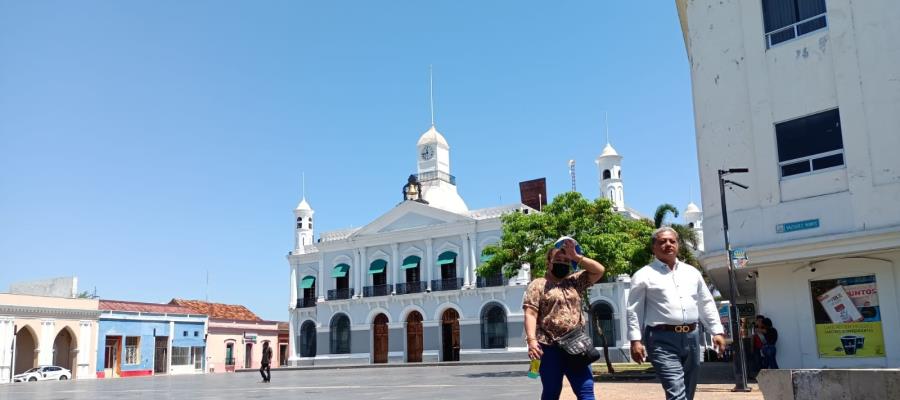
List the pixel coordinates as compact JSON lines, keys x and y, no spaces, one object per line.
{"x":847,"y":316}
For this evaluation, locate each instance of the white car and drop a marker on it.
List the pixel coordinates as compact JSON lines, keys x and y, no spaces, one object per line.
{"x":45,"y":373}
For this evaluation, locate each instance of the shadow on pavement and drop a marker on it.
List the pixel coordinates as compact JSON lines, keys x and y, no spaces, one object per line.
{"x":502,"y":374}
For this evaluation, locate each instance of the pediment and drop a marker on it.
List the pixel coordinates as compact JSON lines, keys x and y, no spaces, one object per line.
{"x":410,"y":215}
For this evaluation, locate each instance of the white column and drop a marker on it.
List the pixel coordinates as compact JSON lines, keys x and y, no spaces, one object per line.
{"x":45,"y":353}
{"x":292,"y":338}
{"x":84,"y":354}
{"x":395,"y":266}
{"x":463,"y":262}
{"x":474,"y":259}
{"x":363,"y":269}
{"x":354,"y":274}
{"x":6,"y":343}
{"x":429,"y":262}
{"x":169,"y":346}
{"x":320,"y":282}
{"x":293,"y":302}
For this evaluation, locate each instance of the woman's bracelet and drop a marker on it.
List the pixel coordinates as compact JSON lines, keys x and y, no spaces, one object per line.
{"x":529,"y":340}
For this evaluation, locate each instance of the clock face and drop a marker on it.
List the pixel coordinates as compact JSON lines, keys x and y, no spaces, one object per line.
{"x":427,"y":153}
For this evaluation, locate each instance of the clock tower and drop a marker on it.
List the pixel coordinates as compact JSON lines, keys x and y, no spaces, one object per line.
{"x":433,"y":167}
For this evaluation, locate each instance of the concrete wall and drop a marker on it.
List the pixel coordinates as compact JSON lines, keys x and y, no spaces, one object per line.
{"x":65,"y":287}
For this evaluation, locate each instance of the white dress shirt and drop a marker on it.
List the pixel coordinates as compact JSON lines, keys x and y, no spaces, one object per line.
{"x":677,"y":296}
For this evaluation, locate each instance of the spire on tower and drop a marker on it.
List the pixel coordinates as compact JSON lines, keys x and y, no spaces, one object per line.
{"x":431,"y":91}
{"x":606,"y":119}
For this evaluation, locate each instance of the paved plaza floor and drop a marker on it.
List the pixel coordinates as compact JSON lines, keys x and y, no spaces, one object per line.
{"x":430,"y":383}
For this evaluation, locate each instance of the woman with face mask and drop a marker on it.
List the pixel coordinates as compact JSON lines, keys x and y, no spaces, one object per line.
{"x":553,"y":308}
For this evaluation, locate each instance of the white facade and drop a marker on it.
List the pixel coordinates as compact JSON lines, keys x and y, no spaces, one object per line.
{"x":824,"y":197}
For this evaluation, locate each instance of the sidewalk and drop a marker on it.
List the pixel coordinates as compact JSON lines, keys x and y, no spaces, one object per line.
{"x":652,"y":390}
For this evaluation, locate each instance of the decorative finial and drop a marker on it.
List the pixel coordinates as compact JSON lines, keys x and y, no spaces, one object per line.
{"x":304,"y":185}
{"x":431,"y":91}
{"x":606,"y":118}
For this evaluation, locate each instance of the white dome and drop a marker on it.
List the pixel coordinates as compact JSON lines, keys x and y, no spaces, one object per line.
{"x":433,"y":136}
{"x":691,"y":209}
{"x":445,"y":197}
{"x":608,"y":151}
{"x":303,"y":206}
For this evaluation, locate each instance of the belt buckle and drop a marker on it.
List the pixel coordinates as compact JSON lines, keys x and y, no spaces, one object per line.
{"x":682,"y":328}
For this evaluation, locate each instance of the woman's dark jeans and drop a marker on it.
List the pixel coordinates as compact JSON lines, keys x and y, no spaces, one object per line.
{"x":554,"y":367}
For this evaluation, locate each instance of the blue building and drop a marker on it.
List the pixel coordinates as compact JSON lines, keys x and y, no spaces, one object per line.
{"x":138,"y":339}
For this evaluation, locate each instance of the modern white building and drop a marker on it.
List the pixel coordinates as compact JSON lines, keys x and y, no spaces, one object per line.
{"x":806,"y":94}
{"x":403,"y":288}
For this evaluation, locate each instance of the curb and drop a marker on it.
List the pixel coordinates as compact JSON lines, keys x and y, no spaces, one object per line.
{"x":405,"y":365}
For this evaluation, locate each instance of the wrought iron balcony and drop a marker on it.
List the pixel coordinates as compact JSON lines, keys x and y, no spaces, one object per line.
{"x":434,"y":176}
{"x":229,"y":361}
{"x":491,"y":281}
{"x":306,"y":302}
{"x":446,"y":284}
{"x":377,"y":290}
{"x":340,"y":294}
{"x":410,"y":287}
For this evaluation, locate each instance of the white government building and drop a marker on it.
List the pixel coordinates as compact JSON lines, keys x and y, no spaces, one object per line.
{"x":403,"y":288}
{"x":806,"y":94}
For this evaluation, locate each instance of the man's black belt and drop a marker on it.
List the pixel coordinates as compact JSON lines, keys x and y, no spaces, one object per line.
{"x":686,"y":328}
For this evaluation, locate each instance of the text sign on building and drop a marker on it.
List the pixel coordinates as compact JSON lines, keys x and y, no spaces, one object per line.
{"x":797,"y":226}
{"x":249,"y":338}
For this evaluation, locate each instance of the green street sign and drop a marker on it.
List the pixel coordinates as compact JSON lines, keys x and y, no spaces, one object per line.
{"x":797,"y":226}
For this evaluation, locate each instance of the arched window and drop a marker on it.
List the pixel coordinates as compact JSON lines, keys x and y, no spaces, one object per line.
{"x":340,"y":334}
{"x":620,"y":174}
{"x":308,"y":339}
{"x":493,"y":327}
{"x":299,"y":222}
{"x":606,"y":174}
{"x":691,"y":225}
{"x":447,"y":261}
{"x":309,"y":223}
{"x":602,"y":314}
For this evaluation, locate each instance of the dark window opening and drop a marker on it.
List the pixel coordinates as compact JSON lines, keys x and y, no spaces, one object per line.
{"x":810,"y":143}
{"x":340,"y":334}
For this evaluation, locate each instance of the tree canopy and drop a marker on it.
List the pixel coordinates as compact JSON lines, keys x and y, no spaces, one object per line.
{"x":622,"y":245}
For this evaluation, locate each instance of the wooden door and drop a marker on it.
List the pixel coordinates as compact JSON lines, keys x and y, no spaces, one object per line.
{"x":380,"y":339}
{"x":414,"y":343}
{"x":161,"y":355}
{"x":450,"y":335}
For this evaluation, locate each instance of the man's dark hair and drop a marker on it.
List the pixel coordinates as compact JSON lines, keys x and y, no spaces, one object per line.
{"x":767,"y":322}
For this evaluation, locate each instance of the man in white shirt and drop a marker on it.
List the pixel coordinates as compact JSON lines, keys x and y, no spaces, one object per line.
{"x":668,"y":298}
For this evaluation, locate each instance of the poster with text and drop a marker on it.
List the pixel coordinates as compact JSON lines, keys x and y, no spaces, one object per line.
{"x":847,"y":316}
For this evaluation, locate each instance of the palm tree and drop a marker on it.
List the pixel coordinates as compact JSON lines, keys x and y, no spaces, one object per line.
{"x":687,"y":237}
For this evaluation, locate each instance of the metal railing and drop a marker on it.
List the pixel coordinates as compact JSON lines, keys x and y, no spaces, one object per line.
{"x":436,"y":175}
{"x":376,"y":290}
{"x":306,"y":302}
{"x":229,"y":361}
{"x":410,"y":287}
{"x":446,"y":284}
{"x":490,"y":281}
{"x":340,"y":294}
{"x":809,"y":164}
{"x":796,"y":30}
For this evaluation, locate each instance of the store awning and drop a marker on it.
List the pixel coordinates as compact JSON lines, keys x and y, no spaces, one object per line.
{"x":447,"y":257}
{"x":377,"y":266}
{"x":486,"y":257}
{"x":340,"y":271}
{"x":307,"y":282}
{"x":410,"y":262}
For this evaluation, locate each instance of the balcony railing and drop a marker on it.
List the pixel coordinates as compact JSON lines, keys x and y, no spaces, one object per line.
{"x":340,"y":294}
{"x":446,"y":284}
{"x":306,"y":302}
{"x":798,"y":29}
{"x":377,"y":290}
{"x":436,"y":175}
{"x":410,"y":287}
{"x":490,"y":281}
{"x":229,"y":361}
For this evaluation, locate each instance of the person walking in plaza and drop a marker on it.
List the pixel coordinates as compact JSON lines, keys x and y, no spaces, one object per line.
{"x":668,"y":299}
{"x":553,"y":308}
{"x":266,"y":360}
{"x":768,"y":349}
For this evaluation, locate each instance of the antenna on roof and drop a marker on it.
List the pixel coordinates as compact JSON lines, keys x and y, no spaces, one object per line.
{"x":431,"y":91}
{"x":606,"y":119}
{"x":304,"y":184}
{"x":207,"y":284}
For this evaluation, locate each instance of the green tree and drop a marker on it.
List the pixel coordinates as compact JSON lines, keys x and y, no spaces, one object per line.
{"x":619,"y":243}
{"x":687,"y":237}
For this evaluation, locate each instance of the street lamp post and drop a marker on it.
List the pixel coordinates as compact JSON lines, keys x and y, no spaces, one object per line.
{"x":740,"y":380}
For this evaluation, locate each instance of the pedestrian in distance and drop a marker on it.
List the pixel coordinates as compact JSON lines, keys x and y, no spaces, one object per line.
{"x":668,"y":299}
{"x":768,"y":349}
{"x":266,"y":360}
{"x":553,"y":311}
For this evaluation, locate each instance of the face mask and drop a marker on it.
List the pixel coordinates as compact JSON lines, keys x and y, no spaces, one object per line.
{"x":560,"y":270}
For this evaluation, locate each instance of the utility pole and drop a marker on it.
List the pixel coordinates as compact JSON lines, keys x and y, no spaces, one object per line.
{"x":740,"y":384}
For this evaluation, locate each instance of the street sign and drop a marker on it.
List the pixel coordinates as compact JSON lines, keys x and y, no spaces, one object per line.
{"x":739,"y":258}
{"x":797,"y":226}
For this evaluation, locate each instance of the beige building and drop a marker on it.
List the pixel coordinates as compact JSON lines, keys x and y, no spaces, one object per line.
{"x":235,"y":336}
{"x":44,"y":330}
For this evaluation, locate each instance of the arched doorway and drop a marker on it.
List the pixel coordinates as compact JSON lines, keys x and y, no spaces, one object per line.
{"x":64,"y":350}
{"x":493,"y":327}
{"x":450,"y":335}
{"x":248,"y":355}
{"x":308,"y":339}
{"x":26,"y":344}
{"x":380,"y":339}
{"x":414,"y":337}
{"x":340,"y":334}
{"x":602,"y":316}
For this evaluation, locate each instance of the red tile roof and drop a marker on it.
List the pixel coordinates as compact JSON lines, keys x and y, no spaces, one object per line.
{"x":218,"y":310}
{"x":133,"y":306}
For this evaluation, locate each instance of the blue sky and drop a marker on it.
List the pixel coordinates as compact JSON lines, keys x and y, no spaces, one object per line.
{"x":143,"y":144}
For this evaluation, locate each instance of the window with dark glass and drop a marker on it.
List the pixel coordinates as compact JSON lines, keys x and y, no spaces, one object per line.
{"x":308,"y":339}
{"x":810,"y":143}
{"x":787,"y":19}
{"x":607,"y":174}
{"x":340,"y":334}
{"x":602,"y":316}
{"x":493,"y":327}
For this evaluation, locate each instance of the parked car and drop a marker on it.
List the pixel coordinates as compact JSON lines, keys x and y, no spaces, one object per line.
{"x":45,"y":373}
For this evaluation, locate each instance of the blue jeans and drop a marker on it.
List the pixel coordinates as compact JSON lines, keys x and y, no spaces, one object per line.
{"x":768,"y":356}
{"x":676,"y":359}
{"x":554,"y":366}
